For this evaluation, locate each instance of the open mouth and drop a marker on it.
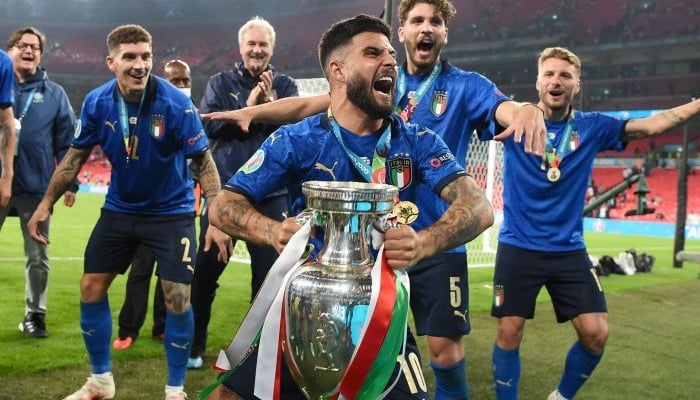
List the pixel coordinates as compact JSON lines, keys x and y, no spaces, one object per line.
{"x":425,"y":45}
{"x":384,"y":84}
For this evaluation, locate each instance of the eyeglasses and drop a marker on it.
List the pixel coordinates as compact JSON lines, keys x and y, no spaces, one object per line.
{"x":23,"y":46}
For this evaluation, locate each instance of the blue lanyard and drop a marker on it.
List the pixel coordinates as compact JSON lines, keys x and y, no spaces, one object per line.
{"x":375,"y":173}
{"x":127,"y":132}
{"x":407,"y":112}
{"x":27,"y":104}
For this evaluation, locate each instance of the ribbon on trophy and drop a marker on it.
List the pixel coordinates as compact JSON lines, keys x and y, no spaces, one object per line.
{"x":381,"y":340}
{"x":373,"y":361}
{"x":248,"y":333}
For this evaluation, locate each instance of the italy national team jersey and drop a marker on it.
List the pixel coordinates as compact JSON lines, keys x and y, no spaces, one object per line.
{"x":153,"y":178}
{"x":7,"y":77}
{"x":309,"y":151}
{"x":545,"y":215}
{"x":455,"y":104}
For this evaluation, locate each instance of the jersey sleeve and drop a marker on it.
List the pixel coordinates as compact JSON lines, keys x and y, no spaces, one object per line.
{"x":436,"y":163}
{"x":267,"y":170}
{"x":7,"y":97}
{"x":483,"y":98}
{"x":86,"y":128}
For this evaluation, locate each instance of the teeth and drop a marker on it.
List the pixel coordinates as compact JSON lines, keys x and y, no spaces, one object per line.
{"x":386,"y":78}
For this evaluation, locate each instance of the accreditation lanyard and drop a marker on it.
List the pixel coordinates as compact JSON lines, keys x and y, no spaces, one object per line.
{"x":18,"y":122}
{"x":410,"y":107}
{"x":569,"y":141}
{"x":375,"y":174}
{"x":27,"y":104}
{"x":124,"y":122}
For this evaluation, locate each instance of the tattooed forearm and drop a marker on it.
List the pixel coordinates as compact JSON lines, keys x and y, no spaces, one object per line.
{"x":208,"y":176}
{"x":66,"y":172}
{"x":468,"y":216}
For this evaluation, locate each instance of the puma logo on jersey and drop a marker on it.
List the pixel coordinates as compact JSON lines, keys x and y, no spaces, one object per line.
{"x":273,"y":137}
{"x":111,"y":125}
{"x":322,"y":167}
{"x":460,"y":314}
{"x":190,"y":268}
{"x":234,"y":95}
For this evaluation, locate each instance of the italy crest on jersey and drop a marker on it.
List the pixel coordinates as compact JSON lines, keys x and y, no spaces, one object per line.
{"x":438,"y":102}
{"x":157,"y":126}
{"x":400,"y":171}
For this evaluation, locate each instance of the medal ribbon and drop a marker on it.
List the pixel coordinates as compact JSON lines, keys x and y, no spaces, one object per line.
{"x":127,"y":132}
{"x":377,"y":172}
{"x":410,"y":107}
{"x":550,"y":153}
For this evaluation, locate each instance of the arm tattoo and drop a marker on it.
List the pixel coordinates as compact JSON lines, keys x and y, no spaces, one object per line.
{"x":4,"y":136}
{"x":240,"y":220}
{"x":208,"y":175}
{"x":468,"y":216}
{"x":66,"y":172}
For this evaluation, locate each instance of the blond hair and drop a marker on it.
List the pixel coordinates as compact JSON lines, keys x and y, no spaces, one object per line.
{"x":560,"y":53}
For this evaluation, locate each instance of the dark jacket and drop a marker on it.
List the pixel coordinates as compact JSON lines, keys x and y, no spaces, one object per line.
{"x":45,"y":135}
{"x":229,"y":90}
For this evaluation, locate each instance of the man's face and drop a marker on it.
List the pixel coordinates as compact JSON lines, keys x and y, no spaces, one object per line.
{"x":370,"y":65}
{"x":26,"y":55}
{"x":131,"y":64}
{"x":424,"y":34}
{"x":557,"y":83}
{"x":178,"y":75}
{"x":256,"y":50}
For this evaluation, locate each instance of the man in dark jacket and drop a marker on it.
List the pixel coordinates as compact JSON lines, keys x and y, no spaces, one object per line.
{"x":251,"y":82}
{"x":44,"y":128}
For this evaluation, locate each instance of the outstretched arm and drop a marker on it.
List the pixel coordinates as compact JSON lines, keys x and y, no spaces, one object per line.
{"x":661,"y":122}
{"x":522,"y":119}
{"x":469,"y":214}
{"x":66,"y":172}
{"x":282,"y":111}
{"x":7,"y":152}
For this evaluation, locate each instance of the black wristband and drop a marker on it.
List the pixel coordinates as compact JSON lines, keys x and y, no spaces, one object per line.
{"x":536,"y":106}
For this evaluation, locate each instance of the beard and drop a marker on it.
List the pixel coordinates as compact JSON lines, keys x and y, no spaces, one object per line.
{"x":360,"y":95}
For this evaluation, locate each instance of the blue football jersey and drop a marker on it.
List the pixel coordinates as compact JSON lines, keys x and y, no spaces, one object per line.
{"x":7,"y":77}
{"x":546,"y":216}
{"x":153,"y":178}
{"x":309,"y":151}
{"x":457,"y":104}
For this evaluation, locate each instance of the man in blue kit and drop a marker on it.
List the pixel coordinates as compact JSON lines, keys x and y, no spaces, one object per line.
{"x":453,"y":103}
{"x":148,"y":129}
{"x":360,"y":65}
{"x":541,"y":238}
{"x":7,"y":129}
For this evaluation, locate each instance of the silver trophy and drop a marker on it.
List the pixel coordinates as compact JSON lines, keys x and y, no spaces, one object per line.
{"x":327,"y":300}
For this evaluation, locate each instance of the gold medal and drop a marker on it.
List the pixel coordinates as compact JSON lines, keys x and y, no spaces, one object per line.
{"x":406,"y":212}
{"x":553,"y":174}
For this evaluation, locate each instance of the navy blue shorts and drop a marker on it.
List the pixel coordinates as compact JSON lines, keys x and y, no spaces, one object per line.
{"x":440,"y":295}
{"x":569,"y":277}
{"x":411,"y":384}
{"x":171,"y":239}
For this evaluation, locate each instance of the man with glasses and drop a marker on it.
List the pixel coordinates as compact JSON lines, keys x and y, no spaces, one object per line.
{"x":44,"y":123}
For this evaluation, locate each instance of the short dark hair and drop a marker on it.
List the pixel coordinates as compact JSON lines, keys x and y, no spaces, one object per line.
{"x":130,"y":34}
{"x":342,"y":32}
{"x":17,"y":35}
